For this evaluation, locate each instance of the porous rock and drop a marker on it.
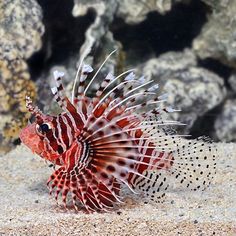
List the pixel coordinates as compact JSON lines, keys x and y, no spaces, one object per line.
{"x":225,"y":124}
{"x":195,"y":92}
{"x":218,"y":35}
{"x":21,"y":21}
{"x":104,"y":15}
{"x":98,"y":34}
{"x":134,"y":11}
{"x":191,"y":89}
{"x":131,"y":11}
{"x":21,"y":29}
{"x":232,"y":82}
{"x":162,"y":67}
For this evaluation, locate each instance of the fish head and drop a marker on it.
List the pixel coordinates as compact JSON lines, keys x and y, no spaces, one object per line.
{"x":40,"y":136}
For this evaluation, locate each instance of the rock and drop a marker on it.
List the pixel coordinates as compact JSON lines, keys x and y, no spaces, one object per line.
{"x":191,"y":89}
{"x":134,"y":11}
{"x":131,"y":11}
{"x":232,"y":82}
{"x":98,"y":35}
{"x":104,"y":15}
{"x":21,"y":26}
{"x":14,"y":85}
{"x":162,"y":67}
{"x":217,"y":38}
{"x":225,"y":124}
{"x":21,"y":29}
{"x":195,"y":92}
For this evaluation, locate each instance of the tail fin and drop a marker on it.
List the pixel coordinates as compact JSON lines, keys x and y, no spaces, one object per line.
{"x":194,"y":163}
{"x":194,"y":166}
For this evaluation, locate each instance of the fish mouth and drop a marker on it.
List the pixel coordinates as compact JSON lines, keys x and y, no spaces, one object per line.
{"x":29,"y":137}
{"x":23,"y":136}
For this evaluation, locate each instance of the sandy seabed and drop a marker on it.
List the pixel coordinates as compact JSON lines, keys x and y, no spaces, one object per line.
{"x":27,"y":208}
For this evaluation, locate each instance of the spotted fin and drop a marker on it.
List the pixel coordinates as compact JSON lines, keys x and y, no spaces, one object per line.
{"x":193,"y":168}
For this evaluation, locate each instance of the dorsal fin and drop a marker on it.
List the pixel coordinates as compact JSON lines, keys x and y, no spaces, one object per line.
{"x":95,"y":75}
{"x":81,"y":101}
{"x":64,"y":102}
{"x":79,"y":70}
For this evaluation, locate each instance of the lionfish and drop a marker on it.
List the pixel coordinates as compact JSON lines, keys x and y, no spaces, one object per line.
{"x":119,"y":137}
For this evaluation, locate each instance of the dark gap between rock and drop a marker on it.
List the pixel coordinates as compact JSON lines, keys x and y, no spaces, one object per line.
{"x":205,"y":124}
{"x":63,"y":37}
{"x":218,"y":68}
{"x":173,"y":31}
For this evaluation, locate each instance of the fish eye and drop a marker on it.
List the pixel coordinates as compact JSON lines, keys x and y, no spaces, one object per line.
{"x":44,"y":128}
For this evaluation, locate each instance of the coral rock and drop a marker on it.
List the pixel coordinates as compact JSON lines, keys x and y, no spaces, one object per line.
{"x":21,"y":24}
{"x":217,"y":39}
{"x":21,"y":29}
{"x":232,"y":82}
{"x":225,"y":124}
{"x":191,"y":89}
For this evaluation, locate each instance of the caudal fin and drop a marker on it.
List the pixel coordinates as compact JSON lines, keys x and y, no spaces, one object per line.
{"x":194,"y":163}
{"x":193,"y":168}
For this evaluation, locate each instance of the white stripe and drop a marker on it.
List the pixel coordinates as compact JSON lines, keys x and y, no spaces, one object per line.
{"x":68,"y":128}
{"x":48,"y":146}
{"x":72,"y":120}
{"x":60,"y":139}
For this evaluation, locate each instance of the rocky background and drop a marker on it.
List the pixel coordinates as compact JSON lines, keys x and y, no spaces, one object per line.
{"x":187,"y":46}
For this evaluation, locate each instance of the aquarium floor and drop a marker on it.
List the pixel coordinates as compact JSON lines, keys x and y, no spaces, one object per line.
{"x":27,"y":209}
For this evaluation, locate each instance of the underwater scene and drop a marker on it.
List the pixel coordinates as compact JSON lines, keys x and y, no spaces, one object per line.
{"x":118,"y":117}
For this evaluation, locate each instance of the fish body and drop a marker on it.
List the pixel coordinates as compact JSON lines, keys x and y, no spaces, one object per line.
{"x":112,"y":139}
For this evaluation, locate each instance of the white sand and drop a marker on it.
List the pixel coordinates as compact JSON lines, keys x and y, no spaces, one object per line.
{"x":27,"y":209}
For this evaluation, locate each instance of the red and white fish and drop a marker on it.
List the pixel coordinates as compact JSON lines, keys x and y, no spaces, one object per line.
{"x":120,"y":136}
